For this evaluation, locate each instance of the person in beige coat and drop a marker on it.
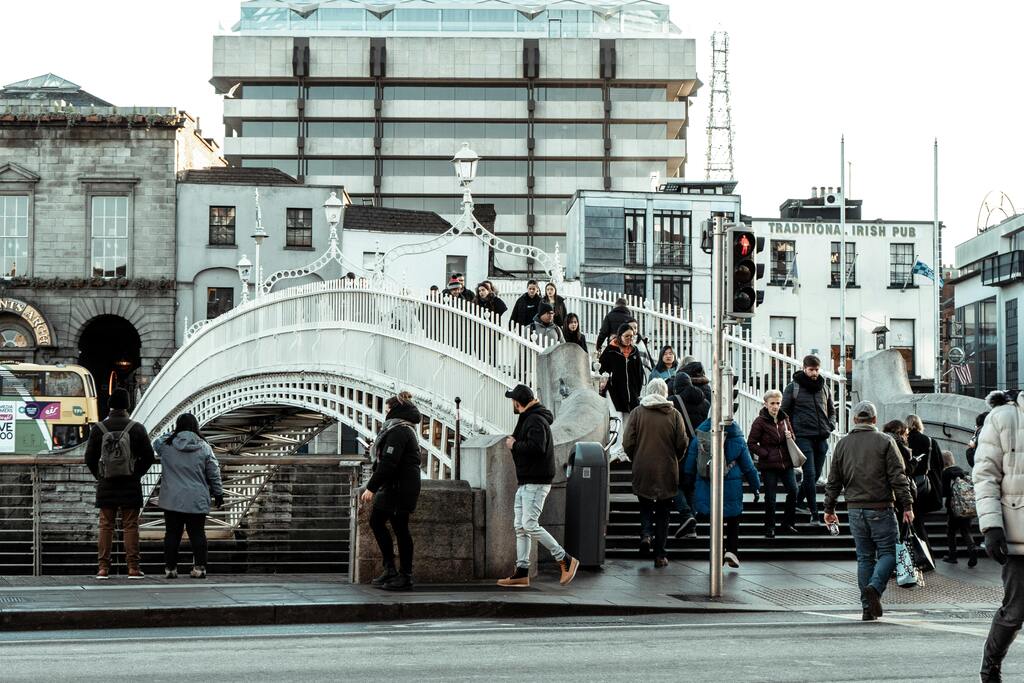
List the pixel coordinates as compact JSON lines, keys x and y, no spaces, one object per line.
{"x":655,"y":440}
{"x":999,"y":496}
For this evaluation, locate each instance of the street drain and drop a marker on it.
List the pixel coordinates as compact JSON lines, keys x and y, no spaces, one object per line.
{"x":12,"y":598}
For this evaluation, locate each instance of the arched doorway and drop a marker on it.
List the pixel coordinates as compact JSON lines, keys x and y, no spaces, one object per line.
{"x":109,"y":348}
{"x":17,"y":342}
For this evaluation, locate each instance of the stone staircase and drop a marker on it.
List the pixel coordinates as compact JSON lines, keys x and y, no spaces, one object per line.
{"x":812,"y":543}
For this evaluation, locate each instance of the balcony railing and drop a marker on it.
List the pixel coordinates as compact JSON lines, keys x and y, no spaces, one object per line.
{"x":1003,"y":269}
{"x":635,"y":254}
{"x":675,"y":254}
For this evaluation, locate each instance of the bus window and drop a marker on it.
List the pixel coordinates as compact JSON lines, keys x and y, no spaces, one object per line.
{"x":64,"y":383}
{"x":66,"y":436}
{"x":29,"y":381}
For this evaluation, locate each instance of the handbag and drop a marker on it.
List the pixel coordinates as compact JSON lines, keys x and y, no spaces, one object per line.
{"x":922,"y":553}
{"x":796,"y":456}
{"x":906,"y":569}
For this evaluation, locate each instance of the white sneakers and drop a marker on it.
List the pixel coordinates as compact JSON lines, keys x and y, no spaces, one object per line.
{"x":730,"y":559}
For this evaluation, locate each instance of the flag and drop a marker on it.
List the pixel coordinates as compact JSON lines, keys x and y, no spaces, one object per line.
{"x":922,"y":268}
{"x":963,"y":374}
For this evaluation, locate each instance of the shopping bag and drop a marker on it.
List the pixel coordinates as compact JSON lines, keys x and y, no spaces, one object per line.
{"x":906,"y":571}
{"x":922,"y":553}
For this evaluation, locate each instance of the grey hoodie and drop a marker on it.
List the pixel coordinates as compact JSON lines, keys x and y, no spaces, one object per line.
{"x":191,"y":473}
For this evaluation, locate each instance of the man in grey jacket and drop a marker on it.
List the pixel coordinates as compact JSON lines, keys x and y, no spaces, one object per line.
{"x":868,"y":469}
{"x":999,"y":491}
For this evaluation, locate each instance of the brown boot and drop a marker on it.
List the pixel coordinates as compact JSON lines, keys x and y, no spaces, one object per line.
{"x":519,"y":579}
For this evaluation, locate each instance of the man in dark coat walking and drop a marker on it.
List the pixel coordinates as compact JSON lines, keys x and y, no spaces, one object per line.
{"x":122,"y":493}
{"x":811,"y":410}
{"x":533,"y":452}
{"x":526,"y":306}
{"x":616,"y":318}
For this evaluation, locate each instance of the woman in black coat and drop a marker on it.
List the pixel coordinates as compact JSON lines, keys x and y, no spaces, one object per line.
{"x":695,"y":370}
{"x":557,"y":302}
{"x":926,"y":475}
{"x":487,"y":299}
{"x":394,"y":488}
{"x":572,"y":332}
{"x":621,"y":360}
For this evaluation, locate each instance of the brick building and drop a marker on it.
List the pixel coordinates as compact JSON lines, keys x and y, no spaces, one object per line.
{"x":87,"y":232}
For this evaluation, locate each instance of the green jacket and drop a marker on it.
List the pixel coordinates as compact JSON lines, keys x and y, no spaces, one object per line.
{"x":868,"y":469}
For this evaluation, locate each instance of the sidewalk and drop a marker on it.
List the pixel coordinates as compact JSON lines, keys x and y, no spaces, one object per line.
{"x":624,"y":587}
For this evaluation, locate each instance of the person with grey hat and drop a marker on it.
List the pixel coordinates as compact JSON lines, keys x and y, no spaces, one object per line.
{"x":533,"y":452}
{"x":868,"y":470}
{"x":118,"y":454}
{"x":544,"y":325}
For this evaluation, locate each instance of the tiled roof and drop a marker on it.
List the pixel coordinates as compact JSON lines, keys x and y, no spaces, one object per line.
{"x":231,"y":175}
{"x":380,"y":219}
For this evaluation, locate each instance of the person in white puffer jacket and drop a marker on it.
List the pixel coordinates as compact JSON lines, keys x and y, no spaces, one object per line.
{"x":999,"y":492}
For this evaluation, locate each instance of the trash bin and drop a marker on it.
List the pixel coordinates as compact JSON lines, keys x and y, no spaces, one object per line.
{"x":586,"y":503}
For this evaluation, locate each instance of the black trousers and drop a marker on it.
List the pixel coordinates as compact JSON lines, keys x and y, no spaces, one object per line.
{"x":772,"y":479}
{"x":657,"y":511}
{"x":175,"y":523}
{"x":400,"y":525}
{"x":958,"y":526}
{"x":732,"y":534}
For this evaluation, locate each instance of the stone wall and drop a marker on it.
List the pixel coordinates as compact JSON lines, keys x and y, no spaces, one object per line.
{"x":447,"y":533}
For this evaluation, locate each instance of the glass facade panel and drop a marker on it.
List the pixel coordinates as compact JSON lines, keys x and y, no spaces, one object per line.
{"x":340,"y":92}
{"x":463,"y":130}
{"x":342,"y":19}
{"x":417,"y":19}
{"x":504,"y":168}
{"x":270,"y":129}
{"x":493,"y":20}
{"x":552,"y":94}
{"x":455,"y":20}
{"x":340,"y":129}
{"x":568,"y":131}
{"x":639,"y":94}
{"x":639,"y":131}
{"x":1010,"y":335}
{"x":340,"y":167}
{"x":262,"y":91}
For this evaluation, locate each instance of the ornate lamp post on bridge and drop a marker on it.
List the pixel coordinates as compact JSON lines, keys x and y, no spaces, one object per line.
{"x":258,"y":235}
{"x":245,"y":275}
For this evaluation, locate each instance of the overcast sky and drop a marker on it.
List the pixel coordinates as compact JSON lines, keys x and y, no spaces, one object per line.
{"x":891,"y":76}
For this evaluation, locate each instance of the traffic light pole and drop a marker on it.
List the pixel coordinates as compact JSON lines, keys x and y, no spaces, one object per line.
{"x":719,"y":263}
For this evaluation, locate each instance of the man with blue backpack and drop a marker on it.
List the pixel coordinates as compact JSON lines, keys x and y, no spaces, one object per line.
{"x":118,"y":454}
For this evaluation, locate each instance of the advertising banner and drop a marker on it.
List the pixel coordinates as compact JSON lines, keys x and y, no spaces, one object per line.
{"x":8,"y":415}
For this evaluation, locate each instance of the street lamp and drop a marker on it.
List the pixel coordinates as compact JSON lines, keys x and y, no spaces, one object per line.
{"x":465,"y":161}
{"x":258,"y":235}
{"x":245,"y":275}
{"x":332,"y":209}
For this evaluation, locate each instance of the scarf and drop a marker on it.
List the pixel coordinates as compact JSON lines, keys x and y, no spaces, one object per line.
{"x":384,"y":429}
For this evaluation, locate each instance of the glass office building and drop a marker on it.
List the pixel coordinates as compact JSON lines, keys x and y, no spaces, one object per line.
{"x":554,"y":97}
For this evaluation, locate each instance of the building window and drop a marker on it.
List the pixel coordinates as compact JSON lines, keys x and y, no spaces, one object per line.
{"x":837,"y":342}
{"x":454,"y":264}
{"x":783,"y":256}
{"x":1010,"y":335}
{"x":901,"y":338}
{"x":782,"y":331}
{"x":222,"y":225}
{"x":299,"y":228}
{"x":672,"y":238}
{"x":851,"y":264}
{"x":635,"y":285}
{"x":110,"y":236}
{"x":901,"y":264}
{"x":219,"y":300}
{"x":14,"y":232}
{"x":673,"y":290}
{"x":636,"y":228}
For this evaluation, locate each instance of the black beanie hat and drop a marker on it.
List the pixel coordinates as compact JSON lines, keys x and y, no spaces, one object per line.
{"x":120,"y":400}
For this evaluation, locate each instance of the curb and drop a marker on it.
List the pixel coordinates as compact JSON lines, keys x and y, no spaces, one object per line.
{"x":323,"y":613}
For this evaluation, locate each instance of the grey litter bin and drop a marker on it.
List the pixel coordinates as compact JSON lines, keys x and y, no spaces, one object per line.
{"x":586,"y":503}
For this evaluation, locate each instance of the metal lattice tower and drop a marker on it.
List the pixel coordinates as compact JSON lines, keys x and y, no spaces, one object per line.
{"x":719,"y":152}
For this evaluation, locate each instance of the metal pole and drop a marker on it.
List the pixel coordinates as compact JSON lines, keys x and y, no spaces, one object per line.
{"x":37,"y":527}
{"x":718,"y":261}
{"x":937,"y":266}
{"x":842,"y":285}
{"x":457,"y":469}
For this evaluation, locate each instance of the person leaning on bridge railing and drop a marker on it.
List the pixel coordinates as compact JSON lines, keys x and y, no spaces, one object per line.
{"x":118,"y":464}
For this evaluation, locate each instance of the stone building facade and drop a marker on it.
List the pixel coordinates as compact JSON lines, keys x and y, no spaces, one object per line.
{"x":87,"y":235}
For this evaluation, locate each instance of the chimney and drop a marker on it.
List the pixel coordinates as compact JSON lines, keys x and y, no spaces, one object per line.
{"x":814,"y":192}
{"x":830,"y":190}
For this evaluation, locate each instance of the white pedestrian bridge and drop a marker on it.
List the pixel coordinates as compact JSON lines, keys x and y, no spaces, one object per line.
{"x":268,"y":376}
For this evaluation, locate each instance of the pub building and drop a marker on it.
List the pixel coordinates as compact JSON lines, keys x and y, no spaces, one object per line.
{"x":888,"y":305}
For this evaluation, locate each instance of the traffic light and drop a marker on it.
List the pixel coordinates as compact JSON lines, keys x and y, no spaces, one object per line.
{"x":742,"y":298}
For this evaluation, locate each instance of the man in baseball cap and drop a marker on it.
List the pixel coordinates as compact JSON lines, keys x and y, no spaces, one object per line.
{"x":534,"y":454}
{"x":868,"y":470}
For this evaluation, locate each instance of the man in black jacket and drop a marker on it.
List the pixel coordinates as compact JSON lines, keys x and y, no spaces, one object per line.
{"x":122,"y":493}
{"x":810,"y":407}
{"x":616,"y":318}
{"x":526,"y":306}
{"x":534,"y":454}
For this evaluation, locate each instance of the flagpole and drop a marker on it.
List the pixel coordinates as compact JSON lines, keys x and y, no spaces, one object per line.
{"x":936,"y":239}
{"x":842,"y":284}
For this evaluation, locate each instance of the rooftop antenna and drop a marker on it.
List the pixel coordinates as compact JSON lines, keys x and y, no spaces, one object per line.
{"x":719,"y":153}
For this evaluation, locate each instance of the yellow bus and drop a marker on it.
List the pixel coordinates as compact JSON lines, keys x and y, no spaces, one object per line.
{"x":53,"y":405}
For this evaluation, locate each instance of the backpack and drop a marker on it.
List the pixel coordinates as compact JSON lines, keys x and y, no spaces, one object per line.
{"x":116,"y":459}
{"x":704,"y":456}
{"x":962,"y":499}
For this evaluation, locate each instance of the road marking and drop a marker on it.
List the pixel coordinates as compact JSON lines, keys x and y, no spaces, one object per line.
{"x":927,"y":625}
{"x":403,"y":629}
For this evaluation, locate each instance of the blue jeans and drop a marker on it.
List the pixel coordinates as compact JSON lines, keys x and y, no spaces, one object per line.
{"x":815,"y":449}
{"x":874,"y":533}
{"x":772,"y":479}
{"x":529,"y":504}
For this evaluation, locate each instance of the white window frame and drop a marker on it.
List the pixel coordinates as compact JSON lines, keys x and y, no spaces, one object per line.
{"x":109,"y":235}
{"x":10,"y":239}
